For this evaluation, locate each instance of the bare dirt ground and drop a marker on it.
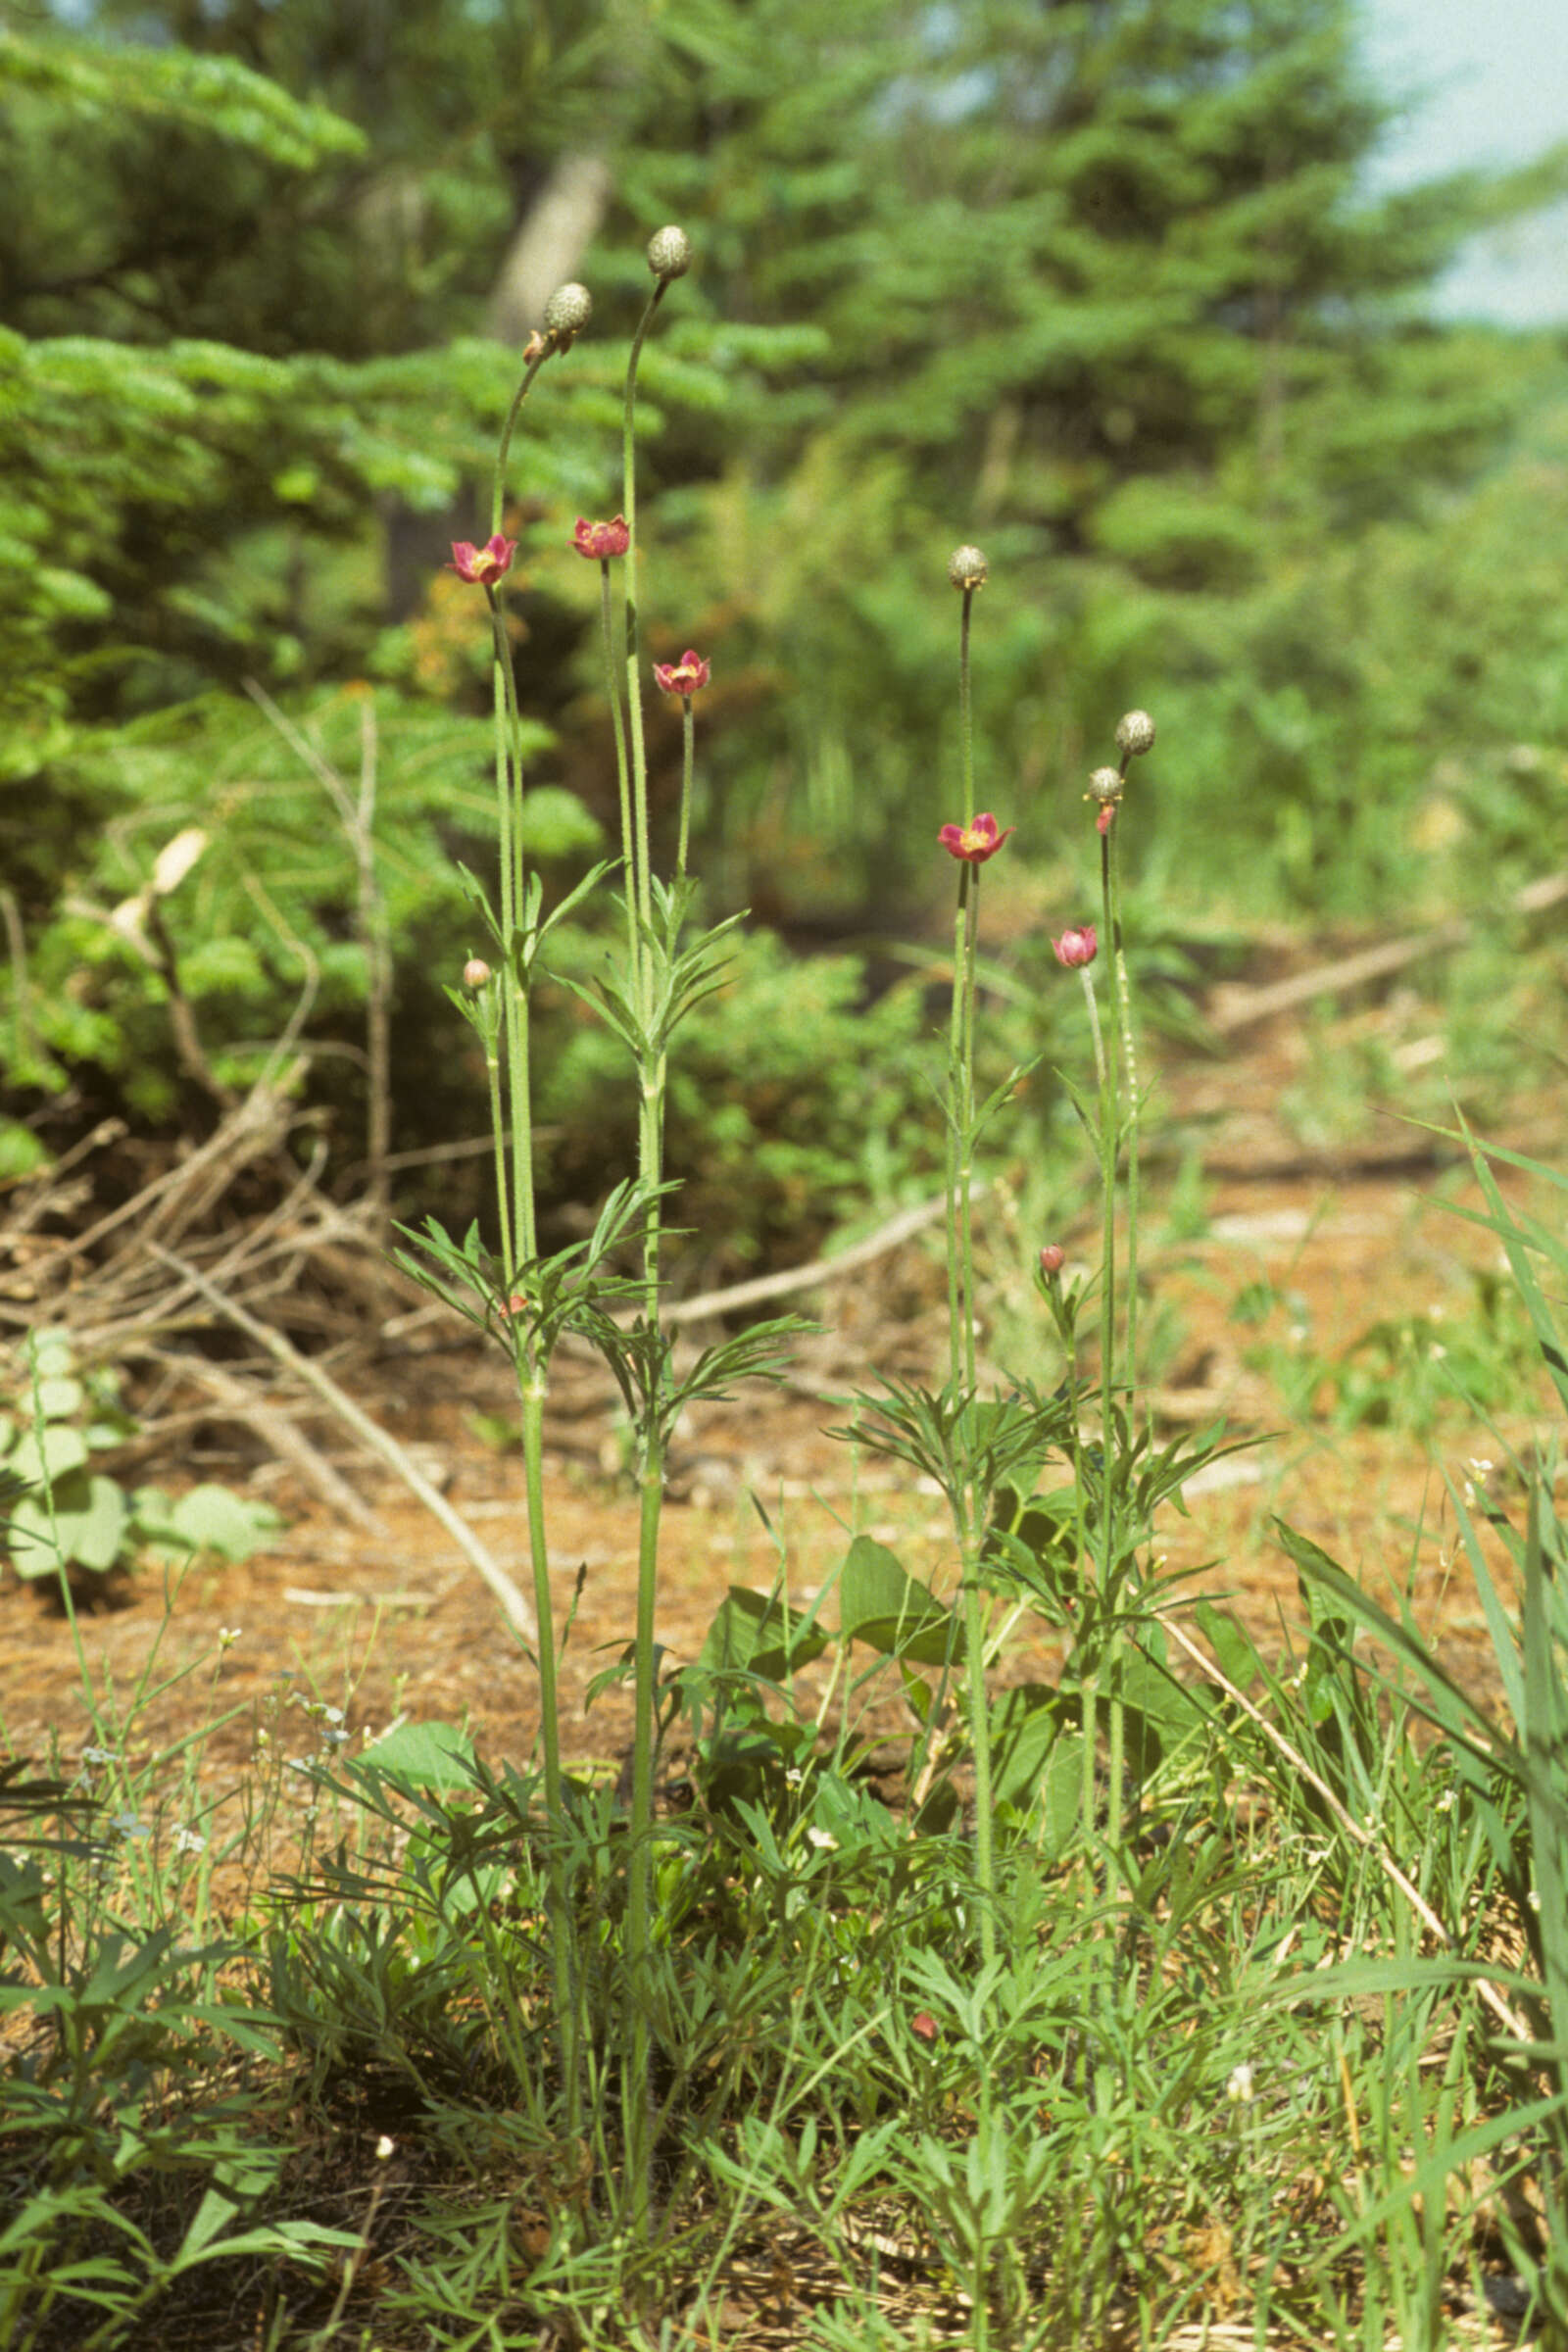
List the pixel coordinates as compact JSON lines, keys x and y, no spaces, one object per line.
{"x":395,"y":1622}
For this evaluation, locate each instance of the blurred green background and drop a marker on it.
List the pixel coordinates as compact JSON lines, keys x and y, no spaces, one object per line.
{"x":1106,"y":288}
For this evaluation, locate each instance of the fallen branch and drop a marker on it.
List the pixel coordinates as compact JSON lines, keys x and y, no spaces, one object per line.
{"x":886,"y":1237}
{"x":1372,"y":963}
{"x":379,"y":1440}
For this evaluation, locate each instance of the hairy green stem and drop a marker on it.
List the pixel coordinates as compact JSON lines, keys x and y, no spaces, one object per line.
{"x":628,"y":839}
{"x":1129,"y":1064}
{"x":651,"y":1074}
{"x":498,"y":486}
{"x":688,"y":763}
{"x":560,"y":1927}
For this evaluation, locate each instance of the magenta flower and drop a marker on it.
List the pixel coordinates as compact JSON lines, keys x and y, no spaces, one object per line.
{"x":686,"y":676}
{"x":602,"y":539}
{"x":1076,"y":947}
{"x":479,"y":565}
{"x":975,"y":841}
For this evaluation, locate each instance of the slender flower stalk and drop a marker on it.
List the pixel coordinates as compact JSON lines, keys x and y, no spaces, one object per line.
{"x":684,"y":679}
{"x":597,"y":539}
{"x":669,"y":257}
{"x":504,"y":1012}
{"x":971,"y":843}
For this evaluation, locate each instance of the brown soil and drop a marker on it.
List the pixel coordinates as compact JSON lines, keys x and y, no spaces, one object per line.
{"x":396,"y":1623}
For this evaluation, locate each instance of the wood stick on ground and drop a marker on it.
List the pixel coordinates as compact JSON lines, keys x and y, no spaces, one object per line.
{"x":1353,"y":1829}
{"x":1373,"y":963}
{"x":901,"y":1228}
{"x":289,"y":1443}
{"x":379,"y":1441}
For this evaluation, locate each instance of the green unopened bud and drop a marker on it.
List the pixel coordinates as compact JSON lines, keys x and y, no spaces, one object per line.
{"x":569,"y":310}
{"x":669,"y":253}
{"x":1135,"y":733}
{"x":967,"y":567}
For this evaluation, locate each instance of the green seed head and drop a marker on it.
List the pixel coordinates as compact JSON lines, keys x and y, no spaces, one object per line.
{"x":1104,"y":786}
{"x":567,"y":311}
{"x":669,"y":253}
{"x":967,"y":567}
{"x":1135,"y":733}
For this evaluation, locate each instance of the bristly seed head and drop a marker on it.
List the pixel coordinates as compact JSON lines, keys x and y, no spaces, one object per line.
{"x":669,"y":252}
{"x":1106,"y":786}
{"x":967,"y":567}
{"x":567,"y":311}
{"x":1135,"y":733}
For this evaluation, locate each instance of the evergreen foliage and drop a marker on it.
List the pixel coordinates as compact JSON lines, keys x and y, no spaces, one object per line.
{"x":1102,"y":286}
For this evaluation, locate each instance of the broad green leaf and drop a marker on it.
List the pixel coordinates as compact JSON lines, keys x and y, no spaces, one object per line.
{"x":49,"y":1454}
{"x":423,"y":1755}
{"x":881,"y":1605}
{"x":212,"y":1518}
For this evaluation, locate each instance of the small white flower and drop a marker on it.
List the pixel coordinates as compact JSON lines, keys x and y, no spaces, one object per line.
{"x":189,"y":1841}
{"x":1477,"y":1466}
{"x":385,"y":2146}
{"x":823,"y":1839}
{"x":1436,"y":1353}
{"x":1445,"y":1803}
{"x":333,"y":1737}
{"x":128,"y":1824}
{"x":1533,"y":1899}
{"x":228,"y":1636}
{"x":1238,"y":2089}
{"x":98,"y":1755}
{"x":300,"y":1764}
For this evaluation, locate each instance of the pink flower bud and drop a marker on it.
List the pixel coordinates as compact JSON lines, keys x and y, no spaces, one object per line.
{"x":479,"y":565}
{"x":475,"y":972}
{"x":1076,"y":947}
{"x":1104,"y":821}
{"x":685,"y":677}
{"x":1053,"y":1257}
{"x":976,"y":842}
{"x":602,"y":539}
{"x":923,"y":2026}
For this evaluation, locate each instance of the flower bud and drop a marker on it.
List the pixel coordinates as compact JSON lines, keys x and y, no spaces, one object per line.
{"x":669,"y":253}
{"x":475,"y":973}
{"x":967,"y":567}
{"x":569,"y":310}
{"x":1106,"y":786}
{"x":1053,"y":1257}
{"x":1135,"y":733}
{"x":1076,"y":947}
